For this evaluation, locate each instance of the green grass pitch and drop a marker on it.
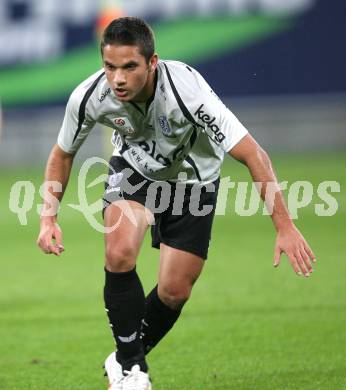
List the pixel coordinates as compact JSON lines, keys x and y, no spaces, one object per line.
{"x":247,"y":325}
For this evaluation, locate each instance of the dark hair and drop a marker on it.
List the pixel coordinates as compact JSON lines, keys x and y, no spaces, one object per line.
{"x":130,"y":31}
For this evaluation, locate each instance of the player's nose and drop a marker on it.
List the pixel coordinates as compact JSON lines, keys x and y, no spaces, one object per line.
{"x":119,"y":78}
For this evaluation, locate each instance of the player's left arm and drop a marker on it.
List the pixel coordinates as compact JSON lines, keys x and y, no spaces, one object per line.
{"x":289,"y":240}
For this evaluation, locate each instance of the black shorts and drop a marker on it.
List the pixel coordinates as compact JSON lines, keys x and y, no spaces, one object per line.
{"x":183,"y":213}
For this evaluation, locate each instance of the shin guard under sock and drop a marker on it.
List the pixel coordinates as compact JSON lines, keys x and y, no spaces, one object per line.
{"x":125,"y":305}
{"x":158,"y":320}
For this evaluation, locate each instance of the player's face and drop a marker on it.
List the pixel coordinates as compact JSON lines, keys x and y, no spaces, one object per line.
{"x":128,"y":73}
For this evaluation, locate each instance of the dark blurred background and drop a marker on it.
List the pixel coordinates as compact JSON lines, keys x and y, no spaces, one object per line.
{"x":279,"y":65}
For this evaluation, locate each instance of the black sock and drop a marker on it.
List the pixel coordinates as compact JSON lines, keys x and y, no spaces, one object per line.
{"x":158,"y":320}
{"x":125,"y":305}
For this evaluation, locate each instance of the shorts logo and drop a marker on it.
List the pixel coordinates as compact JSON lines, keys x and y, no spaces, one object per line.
{"x":124,"y":126}
{"x":166,"y":129}
{"x":116,"y":140}
{"x":205,"y":118}
{"x":114,"y":180}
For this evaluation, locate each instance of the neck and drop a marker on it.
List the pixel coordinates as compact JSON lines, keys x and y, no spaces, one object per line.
{"x":148,"y":90}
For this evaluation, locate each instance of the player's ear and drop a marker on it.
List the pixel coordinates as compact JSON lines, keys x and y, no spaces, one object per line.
{"x":153,"y":62}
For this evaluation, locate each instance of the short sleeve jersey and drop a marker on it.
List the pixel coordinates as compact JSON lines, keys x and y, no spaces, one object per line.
{"x":184,"y":128}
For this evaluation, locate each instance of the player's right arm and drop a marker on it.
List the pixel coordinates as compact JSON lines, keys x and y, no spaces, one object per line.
{"x":57,"y":174}
{"x":77,"y":124}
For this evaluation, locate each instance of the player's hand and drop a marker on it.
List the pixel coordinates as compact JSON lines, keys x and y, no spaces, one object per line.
{"x":50,"y":232}
{"x":291,"y":242}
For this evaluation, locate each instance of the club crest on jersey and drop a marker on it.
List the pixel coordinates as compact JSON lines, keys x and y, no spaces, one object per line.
{"x":119,"y":121}
{"x":124,"y":125}
{"x":166,"y":129}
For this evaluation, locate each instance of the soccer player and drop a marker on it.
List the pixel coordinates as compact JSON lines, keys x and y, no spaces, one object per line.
{"x":172,"y":131}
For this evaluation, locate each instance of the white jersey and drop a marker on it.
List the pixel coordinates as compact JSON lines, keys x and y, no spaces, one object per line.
{"x":184,"y":128}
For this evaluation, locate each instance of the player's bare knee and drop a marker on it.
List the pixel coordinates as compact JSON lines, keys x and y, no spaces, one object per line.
{"x":174,"y":296}
{"x":120,"y":258}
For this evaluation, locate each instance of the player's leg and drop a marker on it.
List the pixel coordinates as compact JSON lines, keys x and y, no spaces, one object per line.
{"x":178,"y":272}
{"x":183,"y":239}
{"x":123,"y":291}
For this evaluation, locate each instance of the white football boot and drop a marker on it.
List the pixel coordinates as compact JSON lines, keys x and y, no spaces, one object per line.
{"x":114,"y":372}
{"x":136,"y":379}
